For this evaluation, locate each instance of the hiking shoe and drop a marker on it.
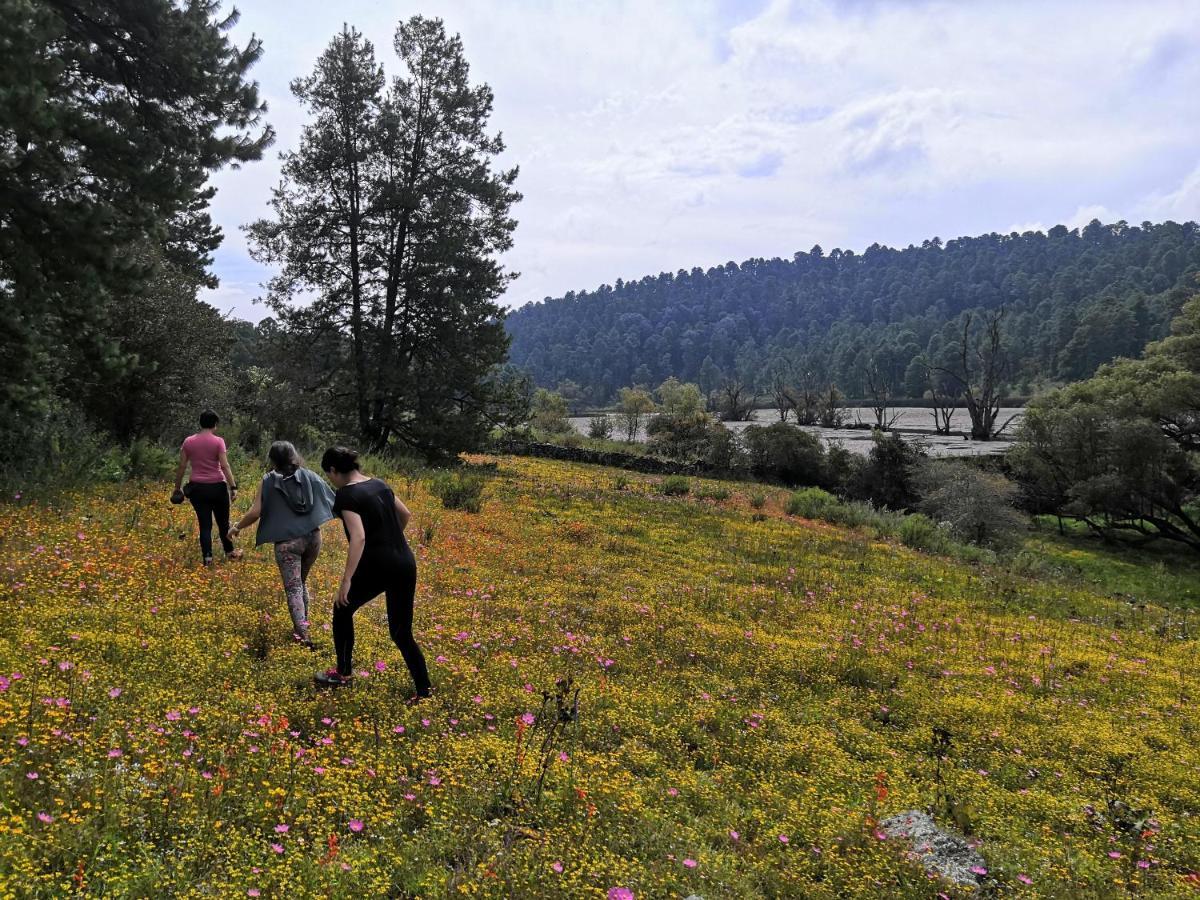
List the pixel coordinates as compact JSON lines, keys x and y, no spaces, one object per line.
{"x":331,"y":678}
{"x":208,"y":562}
{"x":234,"y":554}
{"x":417,"y":698}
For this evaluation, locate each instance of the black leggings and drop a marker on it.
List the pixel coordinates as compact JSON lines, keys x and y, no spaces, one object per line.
{"x":211,"y":500}
{"x":395,"y":574}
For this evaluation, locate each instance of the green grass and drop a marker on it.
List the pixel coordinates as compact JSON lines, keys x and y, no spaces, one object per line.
{"x":1157,"y":573}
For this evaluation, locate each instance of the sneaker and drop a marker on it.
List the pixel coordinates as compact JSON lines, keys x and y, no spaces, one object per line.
{"x":208,"y":562}
{"x":417,"y":698}
{"x":234,"y":554}
{"x":331,"y":678}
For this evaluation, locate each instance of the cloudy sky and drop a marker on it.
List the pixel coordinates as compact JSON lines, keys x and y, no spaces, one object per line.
{"x":663,"y":134}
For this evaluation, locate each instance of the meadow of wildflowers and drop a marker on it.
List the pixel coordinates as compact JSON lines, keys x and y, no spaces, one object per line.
{"x":637,"y":696}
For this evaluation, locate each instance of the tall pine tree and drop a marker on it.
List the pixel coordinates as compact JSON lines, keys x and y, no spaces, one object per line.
{"x":112,"y":115}
{"x":390,"y":212}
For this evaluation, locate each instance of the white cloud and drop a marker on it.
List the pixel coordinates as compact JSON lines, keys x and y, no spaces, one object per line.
{"x":1181,"y":204}
{"x":661,"y":136}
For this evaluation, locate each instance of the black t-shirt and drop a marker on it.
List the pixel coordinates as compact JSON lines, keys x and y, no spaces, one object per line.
{"x":374,"y":501}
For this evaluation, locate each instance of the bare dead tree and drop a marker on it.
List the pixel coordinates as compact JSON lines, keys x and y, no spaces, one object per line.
{"x":880,"y":390}
{"x":982,"y":367}
{"x":830,"y":412}
{"x":808,"y":401}
{"x":736,"y":401}
{"x":945,"y":399}
{"x":784,"y":396}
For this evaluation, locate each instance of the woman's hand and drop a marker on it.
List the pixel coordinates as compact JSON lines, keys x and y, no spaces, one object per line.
{"x":358,"y":539}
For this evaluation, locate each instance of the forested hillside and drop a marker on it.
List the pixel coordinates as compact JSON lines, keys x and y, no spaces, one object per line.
{"x":1073,"y":299}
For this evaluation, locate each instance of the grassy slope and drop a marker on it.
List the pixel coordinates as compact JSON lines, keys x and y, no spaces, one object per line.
{"x":769,"y":677}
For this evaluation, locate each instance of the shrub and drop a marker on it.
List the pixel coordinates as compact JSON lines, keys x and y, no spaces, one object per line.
{"x":600,"y":428}
{"x":785,"y":453}
{"x":975,"y":505}
{"x":675,"y":486}
{"x":694,"y":437}
{"x":921,"y":533}
{"x":854,"y":514}
{"x":459,"y":490}
{"x":758,"y":499}
{"x":56,"y":450}
{"x":723,"y":451}
{"x":717,"y":492}
{"x":811,"y":503}
{"x":841,"y":468}
{"x":550,"y":413}
{"x":888,"y":477}
{"x":147,"y":460}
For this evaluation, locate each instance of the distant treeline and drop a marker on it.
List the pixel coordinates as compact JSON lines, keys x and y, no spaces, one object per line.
{"x":1072,"y":300}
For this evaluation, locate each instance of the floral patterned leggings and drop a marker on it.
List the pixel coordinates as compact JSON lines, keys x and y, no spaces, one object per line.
{"x":295,"y":558}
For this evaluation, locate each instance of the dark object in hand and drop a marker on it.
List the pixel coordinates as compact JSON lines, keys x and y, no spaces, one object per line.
{"x":177,"y":496}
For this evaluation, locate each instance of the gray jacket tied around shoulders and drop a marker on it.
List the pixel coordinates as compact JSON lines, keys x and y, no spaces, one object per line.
{"x":293,"y":505}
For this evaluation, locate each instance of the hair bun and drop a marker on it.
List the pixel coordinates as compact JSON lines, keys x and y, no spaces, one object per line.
{"x":339,"y":459}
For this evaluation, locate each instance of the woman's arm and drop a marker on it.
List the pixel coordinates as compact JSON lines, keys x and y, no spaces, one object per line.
{"x":403,"y":513}
{"x":180,"y":469}
{"x":358,"y":540}
{"x":251,"y":516}
{"x":224,"y":460}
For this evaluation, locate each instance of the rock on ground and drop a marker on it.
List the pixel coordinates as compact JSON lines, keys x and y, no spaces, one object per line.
{"x":941,"y":851}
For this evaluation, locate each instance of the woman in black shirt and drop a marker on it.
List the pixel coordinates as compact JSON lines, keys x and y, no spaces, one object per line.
{"x":379,"y":561}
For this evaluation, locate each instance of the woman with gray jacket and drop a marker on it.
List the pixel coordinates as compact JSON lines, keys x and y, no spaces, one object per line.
{"x":293,"y":503}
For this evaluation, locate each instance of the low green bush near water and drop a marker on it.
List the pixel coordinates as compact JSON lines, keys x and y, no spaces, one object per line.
{"x":811,"y":503}
{"x":921,"y":533}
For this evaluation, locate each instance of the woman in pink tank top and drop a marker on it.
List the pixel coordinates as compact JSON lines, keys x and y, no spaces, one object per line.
{"x":211,"y":487}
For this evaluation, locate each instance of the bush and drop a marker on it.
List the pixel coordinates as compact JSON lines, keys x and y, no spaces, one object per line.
{"x":459,"y":490}
{"x":675,"y":486}
{"x":600,"y":428}
{"x":549,"y":413}
{"x":855,"y":514}
{"x":758,"y":499}
{"x":841,"y":468}
{"x":888,"y":477}
{"x":56,"y":450}
{"x":975,"y":505}
{"x":717,"y":492}
{"x":147,"y":460}
{"x":695,"y":438}
{"x":723,"y":451}
{"x":921,"y":533}
{"x":811,"y":503}
{"x":785,"y":453}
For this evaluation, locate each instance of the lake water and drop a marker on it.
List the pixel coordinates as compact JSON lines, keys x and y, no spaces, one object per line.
{"x":858,"y":440}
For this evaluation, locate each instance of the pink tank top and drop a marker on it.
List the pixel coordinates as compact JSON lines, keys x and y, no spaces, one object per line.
{"x":203,"y":451}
